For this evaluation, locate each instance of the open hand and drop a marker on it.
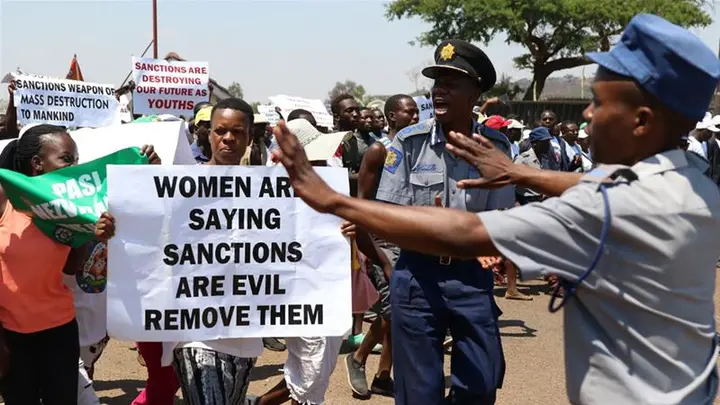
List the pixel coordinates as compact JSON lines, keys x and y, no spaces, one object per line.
{"x":303,"y":178}
{"x":493,"y":165}
{"x":149,"y":151}
{"x":105,"y":227}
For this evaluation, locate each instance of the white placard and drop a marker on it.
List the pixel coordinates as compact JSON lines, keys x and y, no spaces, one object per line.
{"x":68,"y":103}
{"x":169,"y":87}
{"x":213,"y":252}
{"x":316,"y":107}
{"x":168,"y":139}
{"x":269,"y":112}
{"x":425,"y":108}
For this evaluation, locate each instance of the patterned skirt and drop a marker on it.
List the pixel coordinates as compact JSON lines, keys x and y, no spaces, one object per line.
{"x":208,"y":377}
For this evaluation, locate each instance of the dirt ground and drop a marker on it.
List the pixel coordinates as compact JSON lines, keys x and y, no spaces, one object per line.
{"x":532,"y":339}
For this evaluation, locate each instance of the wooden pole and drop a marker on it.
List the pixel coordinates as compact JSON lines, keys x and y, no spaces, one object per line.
{"x":155,"y":41}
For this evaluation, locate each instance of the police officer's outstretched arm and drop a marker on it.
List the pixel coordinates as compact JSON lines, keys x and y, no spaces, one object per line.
{"x":498,"y":170}
{"x":438,"y":231}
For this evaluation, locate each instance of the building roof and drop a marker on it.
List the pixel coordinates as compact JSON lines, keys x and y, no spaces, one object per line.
{"x":219,"y":91}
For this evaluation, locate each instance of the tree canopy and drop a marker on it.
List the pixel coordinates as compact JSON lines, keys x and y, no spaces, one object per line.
{"x":555,"y":33}
{"x":235,"y":90}
{"x":349,"y":87}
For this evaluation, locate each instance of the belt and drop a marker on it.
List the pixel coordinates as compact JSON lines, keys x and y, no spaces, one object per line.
{"x":446,"y":260}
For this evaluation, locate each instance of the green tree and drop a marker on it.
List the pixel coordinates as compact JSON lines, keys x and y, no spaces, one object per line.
{"x":505,"y":86}
{"x":555,"y":33}
{"x":349,"y":87}
{"x":235,"y":90}
{"x":255,"y":106}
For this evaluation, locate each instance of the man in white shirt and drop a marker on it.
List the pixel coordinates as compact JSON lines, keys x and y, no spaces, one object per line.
{"x":704,"y":130}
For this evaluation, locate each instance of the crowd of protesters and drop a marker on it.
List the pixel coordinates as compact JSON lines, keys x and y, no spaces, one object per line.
{"x":419,"y":306}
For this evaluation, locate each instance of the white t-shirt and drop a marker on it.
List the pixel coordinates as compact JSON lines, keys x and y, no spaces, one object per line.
{"x":88,"y":288}
{"x":697,"y":147}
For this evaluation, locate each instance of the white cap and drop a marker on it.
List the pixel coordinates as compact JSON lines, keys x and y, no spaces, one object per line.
{"x":515,"y":124}
{"x":709,"y":122}
{"x":318,"y":146}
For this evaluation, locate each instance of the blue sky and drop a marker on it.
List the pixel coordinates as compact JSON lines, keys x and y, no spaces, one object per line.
{"x":299,"y":48}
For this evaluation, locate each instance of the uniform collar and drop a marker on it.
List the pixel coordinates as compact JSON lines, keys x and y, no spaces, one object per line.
{"x":437,"y":136}
{"x":675,"y":159}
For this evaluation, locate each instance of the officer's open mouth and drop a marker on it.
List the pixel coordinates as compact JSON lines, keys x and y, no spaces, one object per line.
{"x":440,"y":107}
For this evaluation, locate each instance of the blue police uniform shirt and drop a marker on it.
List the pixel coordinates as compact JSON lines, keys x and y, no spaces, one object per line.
{"x":418,"y":168}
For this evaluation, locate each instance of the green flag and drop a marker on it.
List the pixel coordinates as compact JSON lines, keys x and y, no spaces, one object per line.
{"x":65,"y":204}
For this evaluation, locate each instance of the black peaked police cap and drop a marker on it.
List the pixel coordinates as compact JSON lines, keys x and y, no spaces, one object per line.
{"x":462,"y":56}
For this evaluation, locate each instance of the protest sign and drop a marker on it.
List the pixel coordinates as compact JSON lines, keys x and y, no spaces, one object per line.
{"x":168,"y":139}
{"x":68,"y":103}
{"x":316,"y":107}
{"x":65,"y":204}
{"x":169,"y":87}
{"x":425,"y":108}
{"x":213,"y":252}
{"x":268,"y":110}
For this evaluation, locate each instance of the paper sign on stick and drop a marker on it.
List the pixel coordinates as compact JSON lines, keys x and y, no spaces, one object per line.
{"x":316,"y":107}
{"x":425,"y":108}
{"x":270,"y":114}
{"x":213,"y":252}
{"x":169,"y":87}
{"x":68,"y":103}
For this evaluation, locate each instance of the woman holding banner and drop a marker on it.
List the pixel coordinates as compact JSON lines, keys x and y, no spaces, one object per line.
{"x":217,"y":372}
{"x":39,"y":347}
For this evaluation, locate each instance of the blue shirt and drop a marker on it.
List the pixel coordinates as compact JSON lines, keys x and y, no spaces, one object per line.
{"x":418,"y":168}
{"x":198,"y":154}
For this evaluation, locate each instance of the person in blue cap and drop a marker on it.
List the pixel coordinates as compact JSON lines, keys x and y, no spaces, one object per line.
{"x":431,"y":294}
{"x":635,"y":240}
{"x":538,"y":156}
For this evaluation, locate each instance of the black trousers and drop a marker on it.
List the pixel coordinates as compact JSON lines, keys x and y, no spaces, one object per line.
{"x":43,"y":366}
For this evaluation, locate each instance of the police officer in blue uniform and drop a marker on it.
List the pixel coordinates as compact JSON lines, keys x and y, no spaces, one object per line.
{"x":431,"y":295}
{"x":635,"y":240}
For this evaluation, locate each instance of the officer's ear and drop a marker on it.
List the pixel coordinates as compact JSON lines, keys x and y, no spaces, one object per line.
{"x":644,"y":120}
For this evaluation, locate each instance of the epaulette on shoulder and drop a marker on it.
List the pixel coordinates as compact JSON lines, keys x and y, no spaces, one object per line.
{"x":421,"y":128}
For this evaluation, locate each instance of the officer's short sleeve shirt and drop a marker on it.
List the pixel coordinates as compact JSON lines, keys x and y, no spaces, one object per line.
{"x":641,"y":328}
{"x":418,"y":168}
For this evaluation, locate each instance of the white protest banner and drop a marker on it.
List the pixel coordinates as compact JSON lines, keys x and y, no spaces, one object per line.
{"x":169,"y":87}
{"x":425,"y":108}
{"x":316,"y":107}
{"x":168,"y":139}
{"x":213,"y":252}
{"x":68,"y":103}
{"x":269,"y":112}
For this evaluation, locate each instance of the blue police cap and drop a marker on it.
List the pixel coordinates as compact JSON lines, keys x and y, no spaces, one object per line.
{"x":464,"y":57}
{"x":540,"y":134}
{"x":667,"y":61}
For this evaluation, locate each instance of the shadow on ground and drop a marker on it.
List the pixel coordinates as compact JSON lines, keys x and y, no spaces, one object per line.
{"x":130,"y":389}
{"x":265,"y":371}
